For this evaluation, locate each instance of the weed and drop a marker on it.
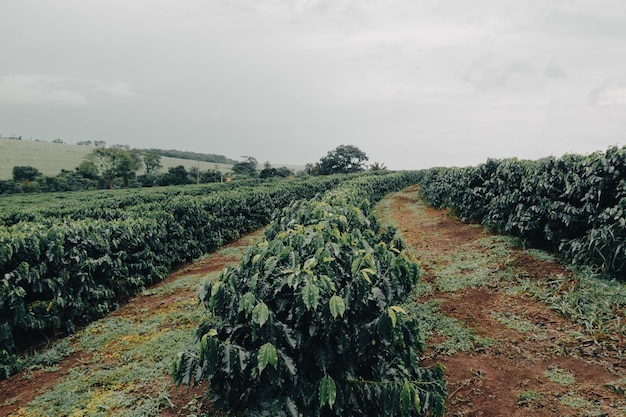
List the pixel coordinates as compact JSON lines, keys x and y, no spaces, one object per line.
{"x":48,"y":357}
{"x":528,"y":397}
{"x":560,"y":376}
{"x":516,"y":323}
{"x":573,"y":400}
{"x":618,"y":386}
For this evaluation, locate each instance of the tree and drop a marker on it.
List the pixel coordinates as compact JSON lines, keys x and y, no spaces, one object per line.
{"x":87,"y":169}
{"x":377,"y":166}
{"x":269,"y":172}
{"x":342,"y":160}
{"x":115,"y":163}
{"x":246,"y":167}
{"x":177,"y":175}
{"x":25,"y":173}
{"x":210,"y":175}
{"x":152,"y":161}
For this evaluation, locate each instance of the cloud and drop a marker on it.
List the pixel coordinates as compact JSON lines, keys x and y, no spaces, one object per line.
{"x":588,"y":19}
{"x":116,"y":88}
{"x":490,"y":72}
{"x":38,"y":89}
{"x":55,"y":90}
{"x":610,"y":93}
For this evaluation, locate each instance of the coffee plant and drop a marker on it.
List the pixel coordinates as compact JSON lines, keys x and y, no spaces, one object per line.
{"x":311,"y":321}
{"x":575,"y":204}
{"x":66,"y":259}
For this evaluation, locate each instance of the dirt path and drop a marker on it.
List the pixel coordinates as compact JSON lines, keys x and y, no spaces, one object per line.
{"x":81,"y":383}
{"x":532,"y":362}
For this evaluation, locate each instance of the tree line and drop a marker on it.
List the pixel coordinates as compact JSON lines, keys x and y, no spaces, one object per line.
{"x":119,"y":166}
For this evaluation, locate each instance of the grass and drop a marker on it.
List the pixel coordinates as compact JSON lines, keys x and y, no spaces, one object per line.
{"x":597,"y":304}
{"x":515,"y":322}
{"x":588,"y":300}
{"x":51,"y":158}
{"x":560,"y":376}
{"x":528,"y":397}
{"x":126,"y":358}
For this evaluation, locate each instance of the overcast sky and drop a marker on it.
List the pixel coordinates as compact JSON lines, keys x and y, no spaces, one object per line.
{"x":413,"y":83}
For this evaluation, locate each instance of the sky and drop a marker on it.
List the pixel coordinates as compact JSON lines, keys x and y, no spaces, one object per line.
{"x":412,"y":83}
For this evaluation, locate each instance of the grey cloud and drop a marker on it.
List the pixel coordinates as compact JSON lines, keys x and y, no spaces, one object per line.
{"x":585,"y":25}
{"x":39,"y":89}
{"x":611,"y":92}
{"x":51,"y":89}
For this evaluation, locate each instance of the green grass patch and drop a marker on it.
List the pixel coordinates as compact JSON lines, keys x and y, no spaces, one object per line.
{"x":575,"y":401}
{"x":515,"y":322}
{"x":560,"y":376}
{"x":125,"y":370}
{"x":528,"y":396}
{"x":456,"y":337}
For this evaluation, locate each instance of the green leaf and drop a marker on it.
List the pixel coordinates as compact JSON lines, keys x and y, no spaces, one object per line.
{"x":247,"y":302}
{"x":337,"y":306}
{"x":267,"y":356}
{"x":356,"y":266}
{"x":398,"y":309}
{"x":366,"y":272}
{"x":385,"y":328}
{"x":327,"y":391}
{"x":260,"y":314}
{"x":392,"y":316}
{"x":309,"y":263}
{"x":310,"y":295}
{"x":409,"y":399}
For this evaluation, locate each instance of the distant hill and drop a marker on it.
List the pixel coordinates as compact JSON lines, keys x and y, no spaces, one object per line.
{"x":51,"y":158}
{"x":195,"y":156}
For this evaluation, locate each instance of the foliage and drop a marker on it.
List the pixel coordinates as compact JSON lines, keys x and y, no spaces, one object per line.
{"x":342,"y":160}
{"x":64,"y":265}
{"x":269,"y":172}
{"x":576,"y":203}
{"x":152,"y":161}
{"x":194,"y":156}
{"x":246,"y":168}
{"x":115,"y":163}
{"x":25,"y":173}
{"x":310,"y":323}
{"x":177,"y":175}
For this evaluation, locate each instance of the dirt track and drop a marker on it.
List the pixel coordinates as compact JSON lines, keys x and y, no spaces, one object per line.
{"x":509,"y":377}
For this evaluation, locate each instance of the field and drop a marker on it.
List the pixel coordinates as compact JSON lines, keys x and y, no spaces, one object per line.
{"x":445,"y":315}
{"x":51,"y":158}
{"x":487,"y":307}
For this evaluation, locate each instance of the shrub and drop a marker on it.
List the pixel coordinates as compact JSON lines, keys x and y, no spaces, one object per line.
{"x":311,"y":324}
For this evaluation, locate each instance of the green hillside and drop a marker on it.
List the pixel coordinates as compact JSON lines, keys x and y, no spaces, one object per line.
{"x":51,"y":158}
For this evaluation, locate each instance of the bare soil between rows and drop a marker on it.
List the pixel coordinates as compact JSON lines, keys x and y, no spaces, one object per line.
{"x":491,"y":381}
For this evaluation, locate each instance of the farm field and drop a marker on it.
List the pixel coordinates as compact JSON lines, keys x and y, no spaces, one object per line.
{"x":505,"y":351}
{"x":51,"y":158}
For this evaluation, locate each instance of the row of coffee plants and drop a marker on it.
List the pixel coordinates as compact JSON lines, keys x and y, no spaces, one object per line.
{"x":101,"y":204}
{"x":576,"y":203}
{"x":61,"y":271}
{"x":311,"y":323}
